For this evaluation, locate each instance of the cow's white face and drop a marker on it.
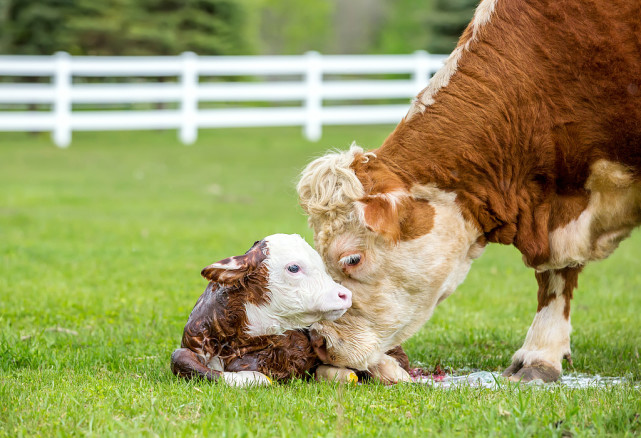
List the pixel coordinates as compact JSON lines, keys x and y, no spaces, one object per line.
{"x":300,"y":290}
{"x":400,"y":250}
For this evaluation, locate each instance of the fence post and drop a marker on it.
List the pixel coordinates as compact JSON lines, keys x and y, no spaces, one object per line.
{"x":314,"y":99}
{"x":189,"y":102}
{"x":62,"y":101}
{"x":421,"y":69}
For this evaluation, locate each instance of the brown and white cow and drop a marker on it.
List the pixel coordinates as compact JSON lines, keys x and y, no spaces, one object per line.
{"x":529,"y":135}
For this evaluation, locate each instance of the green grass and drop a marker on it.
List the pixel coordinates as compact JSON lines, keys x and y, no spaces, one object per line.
{"x":107,"y":239}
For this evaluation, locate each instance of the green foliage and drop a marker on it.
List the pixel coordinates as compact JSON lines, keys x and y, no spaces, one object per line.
{"x":125,"y":27}
{"x":33,"y":27}
{"x":405,"y":28}
{"x":207,"y":27}
{"x":447,"y":22}
{"x":101,"y":247}
{"x":223,"y":27}
{"x":101,"y":28}
{"x":432,"y":25}
{"x":292,"y":27}
{"x":159,"y":27}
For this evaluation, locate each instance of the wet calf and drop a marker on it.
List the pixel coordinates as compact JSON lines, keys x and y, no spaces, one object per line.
{"x":248,"y":323}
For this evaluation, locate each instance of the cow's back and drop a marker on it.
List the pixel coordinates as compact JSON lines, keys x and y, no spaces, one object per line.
{"x":590,"y":71}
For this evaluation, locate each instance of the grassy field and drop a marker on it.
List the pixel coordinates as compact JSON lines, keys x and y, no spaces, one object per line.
{"x":101,"y":246}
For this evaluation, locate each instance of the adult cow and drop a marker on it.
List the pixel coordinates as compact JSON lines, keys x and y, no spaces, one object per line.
{"x":529,"y":135}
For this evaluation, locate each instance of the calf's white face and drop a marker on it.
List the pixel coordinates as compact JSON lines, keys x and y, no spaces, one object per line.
{"x":296,"y":291}
{"x":301,"y":290}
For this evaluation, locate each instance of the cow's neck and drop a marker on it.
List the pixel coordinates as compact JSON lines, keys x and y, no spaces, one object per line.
{"x":516,"y":139}
{"x":494,"y":170}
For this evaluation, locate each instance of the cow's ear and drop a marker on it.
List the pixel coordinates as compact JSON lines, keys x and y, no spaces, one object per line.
{"x":319,"y":345}
{"x":382,"y":215}
{"x":233,"y":270}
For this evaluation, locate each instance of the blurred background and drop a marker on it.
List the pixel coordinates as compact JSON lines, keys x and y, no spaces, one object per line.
{"x":354,"y":62}
{"x":231,"y":27}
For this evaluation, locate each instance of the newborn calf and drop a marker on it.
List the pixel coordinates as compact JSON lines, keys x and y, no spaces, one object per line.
{"x":244,"y":326}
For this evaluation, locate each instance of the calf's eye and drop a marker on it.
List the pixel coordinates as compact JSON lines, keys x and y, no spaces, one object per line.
{"x":293,"y":268}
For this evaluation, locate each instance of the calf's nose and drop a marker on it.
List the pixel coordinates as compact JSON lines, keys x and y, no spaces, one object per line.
{"x":345,"y":296}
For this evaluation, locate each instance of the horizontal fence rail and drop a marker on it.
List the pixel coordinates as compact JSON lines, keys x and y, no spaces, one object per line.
{"x":311,"y":90}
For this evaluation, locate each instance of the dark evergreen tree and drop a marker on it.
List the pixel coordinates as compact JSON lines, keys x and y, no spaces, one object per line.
{"x":207,"y":27}
{"x":124,"y":27}
{"x":160,"y":27}
{"x":447,"y":22}
{"x":101,"y":27}
{"x":33,"y":27}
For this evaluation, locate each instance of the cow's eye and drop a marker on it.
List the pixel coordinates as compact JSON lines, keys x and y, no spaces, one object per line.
{"x":350,"y":260}
{"x":293,"y":268}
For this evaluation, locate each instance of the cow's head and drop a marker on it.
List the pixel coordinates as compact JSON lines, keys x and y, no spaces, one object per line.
{"x":399,"y":245}
{"x":283,"y":285}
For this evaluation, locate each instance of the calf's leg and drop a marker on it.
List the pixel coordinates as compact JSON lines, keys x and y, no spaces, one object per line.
{"x":548,"y":339}
{"x":187,"y":364}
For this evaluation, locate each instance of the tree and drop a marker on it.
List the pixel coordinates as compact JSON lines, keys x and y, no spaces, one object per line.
{"x":159,"y":27}
{"x":447,"y":22}
{"x":405,"y":28}
{"x":294,"y":26}
{"x":32,"y":27}
{"x":124,"y":27}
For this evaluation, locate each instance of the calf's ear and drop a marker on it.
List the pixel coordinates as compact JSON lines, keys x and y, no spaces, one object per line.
{"x":234,"y":270}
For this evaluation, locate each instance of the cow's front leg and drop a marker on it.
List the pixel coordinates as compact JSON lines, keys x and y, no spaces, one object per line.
{"x":388,"y":370}
{"x":334,"y":374}
{"x":350,"y":342}
{"x":548,"y":339}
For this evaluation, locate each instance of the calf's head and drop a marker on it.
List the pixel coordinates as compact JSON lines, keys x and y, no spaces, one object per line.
{"x":282,"y":284}
{"x":401,"y":246}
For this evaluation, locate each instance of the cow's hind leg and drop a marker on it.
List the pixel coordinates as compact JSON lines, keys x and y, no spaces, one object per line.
{"x":548,"y":339}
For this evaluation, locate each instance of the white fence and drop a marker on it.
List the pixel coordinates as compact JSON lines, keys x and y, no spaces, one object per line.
{"x":317,"y":79}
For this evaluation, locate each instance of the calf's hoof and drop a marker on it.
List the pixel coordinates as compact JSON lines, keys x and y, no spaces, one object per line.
{"x":246,"y":378}
{"x":547,"y":372}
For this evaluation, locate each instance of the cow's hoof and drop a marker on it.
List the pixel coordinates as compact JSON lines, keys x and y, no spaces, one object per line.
{"x":335,"y":374}
{"x":540,"y":371}
{"x":389,"y":371}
